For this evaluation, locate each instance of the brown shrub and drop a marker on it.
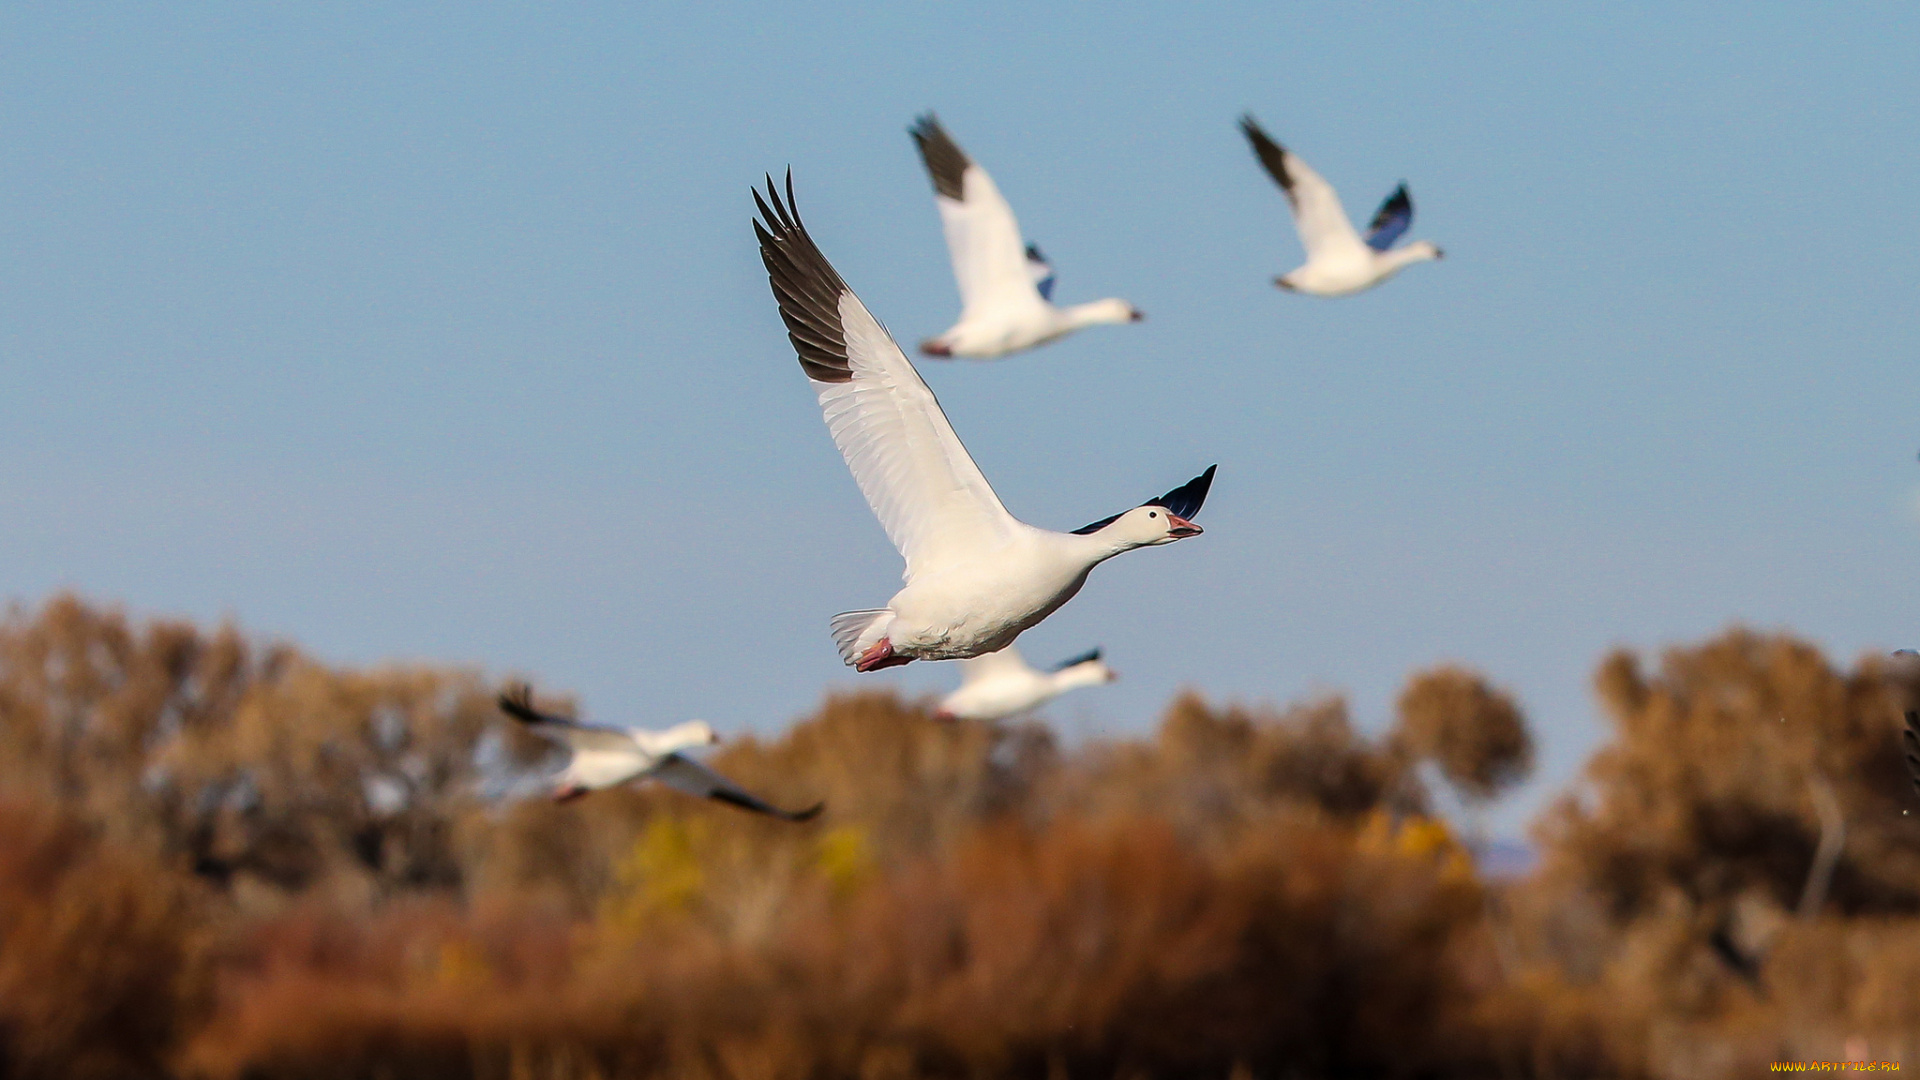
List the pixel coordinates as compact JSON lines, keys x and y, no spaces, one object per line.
{"x":97,"y":976}
{"x":1097,"y":947}
{"x":198,"y":877}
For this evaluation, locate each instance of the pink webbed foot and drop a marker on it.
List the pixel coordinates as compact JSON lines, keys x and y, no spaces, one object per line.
{"x":936,"y":347}
{"x":881,"y":655}
{"x":568,"y":793}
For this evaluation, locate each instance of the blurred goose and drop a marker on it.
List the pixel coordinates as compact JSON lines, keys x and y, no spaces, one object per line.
{"x":601,"y":756}
{"x":975,"y":576}
{"x":1006,"y":285}
{"x":1910,"y":739}
{"x":1002,"y":684}
{"x":1908,"y":663}
{"x":1339,"y":261}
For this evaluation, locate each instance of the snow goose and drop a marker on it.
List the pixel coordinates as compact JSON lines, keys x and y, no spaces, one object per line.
{"x":1910,"y":740}
{"x":975,"y":575}
{"x":1002,"y":684}
{"x":1339,"y":261}
{"x":1907,"y":666}
{"x":601,"y":756}
{"x":1006,"y":285}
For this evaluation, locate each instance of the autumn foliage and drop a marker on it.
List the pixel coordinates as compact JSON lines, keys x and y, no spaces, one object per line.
{"x":220,"y":858}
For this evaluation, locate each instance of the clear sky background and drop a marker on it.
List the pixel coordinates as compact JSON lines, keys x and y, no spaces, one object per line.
{"x":441,"y":334}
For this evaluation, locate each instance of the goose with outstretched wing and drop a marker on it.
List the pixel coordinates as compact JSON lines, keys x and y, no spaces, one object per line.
{"x":1006,"y":285}
{"x":1339,"y":259}
{"x":976,"y":576}
{"x":602,"y":756}
{"x":1003,"y":684}
{"x":1907,"y":669}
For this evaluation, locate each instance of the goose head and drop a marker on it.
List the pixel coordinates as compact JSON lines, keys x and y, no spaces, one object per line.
{"x":1087,"y":673}
{"x":1156,"y":521}
{"x":1149,"y":526}
{"x":1423,"y":250}
{"x":1109,"y":310}
{"x":693,"y":733}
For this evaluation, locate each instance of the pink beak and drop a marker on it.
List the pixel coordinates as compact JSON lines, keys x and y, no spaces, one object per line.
{"x":1180,"y":528}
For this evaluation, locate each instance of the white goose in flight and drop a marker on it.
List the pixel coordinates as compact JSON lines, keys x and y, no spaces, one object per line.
{"x":1006,"y":285}
{"x":1339,"y":261}
{"x":976,"y":576}
{"x":1910,"y":738}
{"x":1002,"y":684}
{"x":602,"y":756}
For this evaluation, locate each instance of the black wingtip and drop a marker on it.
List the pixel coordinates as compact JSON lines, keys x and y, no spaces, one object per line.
{"x":1272,"y":155}
{"x":1096,"y":526}
{"x":1187,"y":499}
{"x":946,"y":163}
{"x":1911,"y":737}
{"x":1087,"y":657}
{"x":517,"y":701}
{"x":805,"y":285}
{"x":748,"y":802}
{"x":1251,"y":129}
{"x":1184,"y":500}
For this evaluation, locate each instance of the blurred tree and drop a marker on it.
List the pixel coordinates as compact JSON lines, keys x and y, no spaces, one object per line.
{"x":238,"y":760}
{"x":1747,"y":781}
{"x":1474,"y":733}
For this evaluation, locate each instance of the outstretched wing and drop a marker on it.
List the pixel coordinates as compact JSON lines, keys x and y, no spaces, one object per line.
{"x":918,"y":478}
{"x":1087,"y":657}
{"x":517,"y":702}
{"x":687,"y":775}
{"x":1187,"y":499}
{"x":1317,"y":213}
{"x":1184,"y":500}
{"x":1910,"y":740}
{"x":1390,"y":222}
{"x":1041,"y":271}
{"x":983,"y":239}
{"x":993,"y":665}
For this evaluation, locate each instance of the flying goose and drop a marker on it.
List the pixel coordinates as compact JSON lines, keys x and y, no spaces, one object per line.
{"x":601,"y":756}
{"x":1910,"y":740}
{"x":975,"y":575}
{"x":1909,"y":661}
{"x":1002,"y":684}
{"x":1339,"y":261}
{"x":1006,"y":285}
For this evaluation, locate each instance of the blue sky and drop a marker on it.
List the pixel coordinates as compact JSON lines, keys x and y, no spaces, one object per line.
{"x":440,"y":334}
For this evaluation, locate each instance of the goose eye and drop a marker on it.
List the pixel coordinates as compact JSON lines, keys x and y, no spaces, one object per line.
{"x":1153,"y":513}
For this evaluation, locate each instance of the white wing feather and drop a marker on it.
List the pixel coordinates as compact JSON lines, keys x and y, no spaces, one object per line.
{"x":1317,"y":213}
{"x":993,"y":666}
{"x":602,"y":757}
{"x":920,"y":481}
{"x":989,"y":257}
